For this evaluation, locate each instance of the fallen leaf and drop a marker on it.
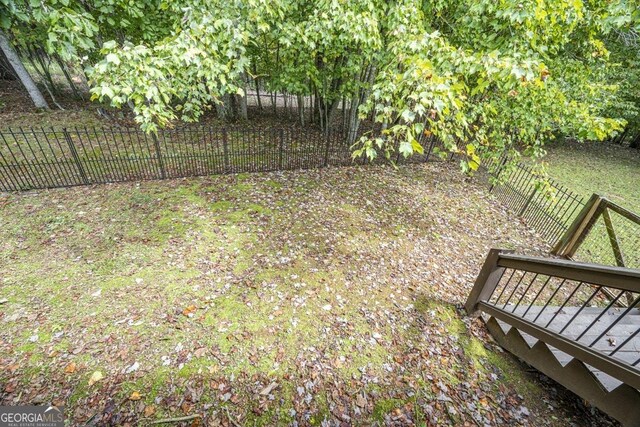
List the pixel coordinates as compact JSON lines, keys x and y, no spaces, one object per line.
{"x":189,"y":310}
{"x":265,"y":391}
{"x":135,"y":396}
{"x":95,"y":377}
{"x":71,"y":368}
{"x":149,"y":410}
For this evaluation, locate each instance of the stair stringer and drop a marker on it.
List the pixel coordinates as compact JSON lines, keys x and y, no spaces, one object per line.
{"x":622,"y":403}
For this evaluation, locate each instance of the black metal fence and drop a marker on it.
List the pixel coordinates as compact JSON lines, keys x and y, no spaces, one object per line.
{"x":48,"y":158}
{"x":549,"y":209}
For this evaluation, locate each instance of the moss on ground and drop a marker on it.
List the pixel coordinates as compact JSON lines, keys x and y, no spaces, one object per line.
{"x":314,"y":280}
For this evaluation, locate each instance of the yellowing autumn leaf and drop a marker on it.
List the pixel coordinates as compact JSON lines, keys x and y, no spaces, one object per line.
{"x":71,"y":368}
{"x":135,"y":396}
{"x":95,"y":377}
{"x":189,"y":310}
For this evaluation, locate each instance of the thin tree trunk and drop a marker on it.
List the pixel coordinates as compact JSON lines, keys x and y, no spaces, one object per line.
{"x":344,"y":114}
{"x":301,"y":109}
{"x":314,"y":107}
{"x":620,"y":138}
{"x":258,"y":93}
{"x":321,"y":114}
{"x":63,"y":67}
{"x":223,"y":108}
{"x":241,"y":102}
{"x":284,"y":96}
{"x":6,"y":72}
{"x":273,"y":103}
{"x":23,"y":75}
{"x":36,"y":58}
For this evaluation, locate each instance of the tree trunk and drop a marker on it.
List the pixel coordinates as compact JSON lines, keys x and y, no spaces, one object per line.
{"x":301,"y":109}
{"x":274,"y":104}
{"x":620,"y":139}
{"x":258,"y":93}
{"x":6,"y":72}
{"x":331,"y":114}
{"x":63,"y":67}
{"x":241,"y":102}
{"x":23,"y":75}
{"x":223,"y":107}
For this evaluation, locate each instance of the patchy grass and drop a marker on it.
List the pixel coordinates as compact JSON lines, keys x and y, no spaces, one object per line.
{"x":611,"y":171}
{"x":313,"y":297}
{"x":607,"y":169}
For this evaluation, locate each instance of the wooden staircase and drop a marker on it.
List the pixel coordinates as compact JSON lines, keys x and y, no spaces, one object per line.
{"x":559,"y":317}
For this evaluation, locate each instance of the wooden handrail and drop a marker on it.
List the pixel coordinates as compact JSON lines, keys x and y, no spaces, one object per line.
{"x":625,"y":279}
{"x":578,"y":231}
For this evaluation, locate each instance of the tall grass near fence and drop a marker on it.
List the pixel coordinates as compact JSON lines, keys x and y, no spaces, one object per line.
{"x":48,"y":158}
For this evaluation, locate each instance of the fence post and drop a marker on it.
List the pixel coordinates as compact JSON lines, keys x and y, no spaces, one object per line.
{"x":75,"y":156}
{"x":281,"y":147}
{"x":226,"y":150}
{"x":156,"y":144}
{"x":487,"y":280}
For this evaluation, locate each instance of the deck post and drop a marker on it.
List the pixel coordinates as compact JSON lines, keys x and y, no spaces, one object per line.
{"x":486,"y":282}
{"x":567,"y":245}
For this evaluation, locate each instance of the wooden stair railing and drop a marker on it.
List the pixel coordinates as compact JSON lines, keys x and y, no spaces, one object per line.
{"x":563,"y":318}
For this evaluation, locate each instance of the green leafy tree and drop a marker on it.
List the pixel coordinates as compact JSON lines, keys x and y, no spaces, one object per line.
{"x":484,"y":76}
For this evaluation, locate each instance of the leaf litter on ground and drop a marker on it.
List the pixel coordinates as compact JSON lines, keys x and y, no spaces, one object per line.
{"x":321,"y":297}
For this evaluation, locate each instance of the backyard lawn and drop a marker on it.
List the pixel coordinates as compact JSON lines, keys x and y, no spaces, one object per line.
{"x":321,"y":297}
{"x":612,"y":171}
{"x":607,"y":169}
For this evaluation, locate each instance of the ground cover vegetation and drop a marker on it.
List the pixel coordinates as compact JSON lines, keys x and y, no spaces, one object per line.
{"x":319,"y":297}
{"x":484,"y":77}
{"x":608,"y":169}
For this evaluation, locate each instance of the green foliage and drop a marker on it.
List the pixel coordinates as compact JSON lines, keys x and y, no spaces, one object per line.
{"x":73,"y":28}
{"x":483,"y":76}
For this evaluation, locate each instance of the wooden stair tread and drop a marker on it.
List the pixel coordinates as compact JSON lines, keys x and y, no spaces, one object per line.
{"x":608,"y":382}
